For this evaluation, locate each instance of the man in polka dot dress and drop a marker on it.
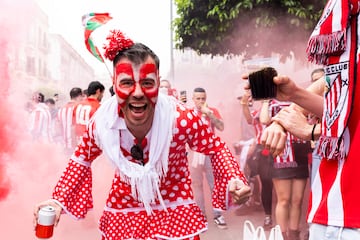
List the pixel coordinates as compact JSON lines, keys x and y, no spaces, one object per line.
{"x":144,"y":134}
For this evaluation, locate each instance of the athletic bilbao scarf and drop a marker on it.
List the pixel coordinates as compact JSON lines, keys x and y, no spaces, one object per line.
{"x":333,"y":44}
{"x":287,"y":158}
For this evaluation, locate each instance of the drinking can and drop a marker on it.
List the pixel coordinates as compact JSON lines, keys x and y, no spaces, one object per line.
{"x":45,"y":224}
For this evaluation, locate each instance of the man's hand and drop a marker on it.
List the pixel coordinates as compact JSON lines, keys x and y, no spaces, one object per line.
{"x":294,"y":122}
{"x":274,"y":138}
{"x":285,"y":87}
{"x":239,"y":191}
{"x":50,"y":202}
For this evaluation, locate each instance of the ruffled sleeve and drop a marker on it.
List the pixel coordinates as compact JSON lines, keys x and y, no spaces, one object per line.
{"x":74,"y":189}
{"x":225,"y":167}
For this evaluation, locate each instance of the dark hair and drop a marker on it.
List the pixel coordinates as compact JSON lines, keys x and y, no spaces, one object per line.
{"x":75,"y":92}
{"x":199,"y":89}
{"x":94,"y":86}
{"x":111,"y":91}
{"x":318,"y":70}
{"x":50,"y":100}
{"x":40,"y":97}
{"x":137,"y":53}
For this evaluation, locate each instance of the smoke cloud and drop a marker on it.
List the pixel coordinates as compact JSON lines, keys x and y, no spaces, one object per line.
{"x":29,"y":170}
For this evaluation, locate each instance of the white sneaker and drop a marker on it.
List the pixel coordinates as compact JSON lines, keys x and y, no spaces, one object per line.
{"x":220,"y":222}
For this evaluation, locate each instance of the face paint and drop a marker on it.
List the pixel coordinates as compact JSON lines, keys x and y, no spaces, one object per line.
{"x":127,"y":79}
{"x":123,"y":71}
{"x":149,"y":71}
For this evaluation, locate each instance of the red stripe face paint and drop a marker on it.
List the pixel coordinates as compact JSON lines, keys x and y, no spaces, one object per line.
{"x":130,"y":79}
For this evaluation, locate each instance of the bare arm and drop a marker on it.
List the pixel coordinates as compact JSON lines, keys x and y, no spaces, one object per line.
{"x":293,"y":119}
{"x":305,"y":98}
{"x":217,"y":122}
{"x":244,"y":101}
{"x":264,"y":113}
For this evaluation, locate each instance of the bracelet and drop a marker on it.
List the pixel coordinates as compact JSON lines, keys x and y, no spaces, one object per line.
{"x":312,"y":132}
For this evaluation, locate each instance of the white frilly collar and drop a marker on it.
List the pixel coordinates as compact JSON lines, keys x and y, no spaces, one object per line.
{"x":144,"y":180}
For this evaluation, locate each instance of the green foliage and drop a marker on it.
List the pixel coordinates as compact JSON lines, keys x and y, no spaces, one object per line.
{"x":248,"y":27}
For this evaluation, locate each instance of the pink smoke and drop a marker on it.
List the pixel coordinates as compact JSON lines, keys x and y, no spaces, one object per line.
{"x":29,"y":170}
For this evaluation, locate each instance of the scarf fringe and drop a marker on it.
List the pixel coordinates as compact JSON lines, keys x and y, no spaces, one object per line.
{"x":145,"y":189}
{"x":285,"y":164}
{"x":331,"y":148}
{"x":320,"y":46}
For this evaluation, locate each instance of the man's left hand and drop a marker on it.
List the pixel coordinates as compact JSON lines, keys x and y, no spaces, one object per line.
{"x":239,"y":191}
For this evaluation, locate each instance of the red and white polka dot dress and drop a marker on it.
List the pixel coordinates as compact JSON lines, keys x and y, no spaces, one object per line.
{"x":124,"y":217}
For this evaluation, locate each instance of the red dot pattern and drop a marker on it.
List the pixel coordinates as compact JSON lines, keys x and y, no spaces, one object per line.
{"x":74,"y":187}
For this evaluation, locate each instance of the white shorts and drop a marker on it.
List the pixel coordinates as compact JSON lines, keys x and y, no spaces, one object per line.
{"x":324,"y":232}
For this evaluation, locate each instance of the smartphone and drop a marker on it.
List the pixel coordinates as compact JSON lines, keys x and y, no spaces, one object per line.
{"x":183,"y":97}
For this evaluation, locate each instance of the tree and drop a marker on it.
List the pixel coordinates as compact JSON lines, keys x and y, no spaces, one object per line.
{"x":248,"y":27}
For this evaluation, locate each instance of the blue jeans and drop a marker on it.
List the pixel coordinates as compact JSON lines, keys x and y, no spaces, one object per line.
{"x":198,"y":174}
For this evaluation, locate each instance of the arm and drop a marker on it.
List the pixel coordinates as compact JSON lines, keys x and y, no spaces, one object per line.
{"x":73,"y":192}
{"x":227,"y":175}
{"x":244,"y":101}
{"x":264,"y":116}
{"x":214,"y":117}
{"x":292,"y":119}
{"x":287,"y":90}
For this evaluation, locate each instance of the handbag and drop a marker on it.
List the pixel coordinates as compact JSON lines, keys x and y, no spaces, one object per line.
{"x":252,"y":233}
{"x":275,"y":233}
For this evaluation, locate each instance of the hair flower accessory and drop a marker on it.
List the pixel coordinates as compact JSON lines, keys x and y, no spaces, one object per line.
{"x":117,"y":42}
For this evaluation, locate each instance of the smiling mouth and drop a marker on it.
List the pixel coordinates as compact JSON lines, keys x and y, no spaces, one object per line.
{"x":137,"y":108}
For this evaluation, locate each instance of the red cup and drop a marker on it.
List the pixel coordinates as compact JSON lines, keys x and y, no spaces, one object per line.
{"x":46,"y":220}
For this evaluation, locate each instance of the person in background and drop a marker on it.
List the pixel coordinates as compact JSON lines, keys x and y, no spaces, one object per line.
{"x":165,"y":87}
{"x":40,"y":120}
{"x":52,"y":108}
{"x":290,"y":174}
{"x":200,"y":164}
{"x":299,"y":122}
{"x":316,"y":74}
{"x":66,"y":121}
{"x":144,"y":134}
{"x":56,"y":97}
{"x":85,"y":93}
{"x":111,"y":91}
{"x":334,"y":211}
{"x":85,"y":109}
{"x":260,"y":161}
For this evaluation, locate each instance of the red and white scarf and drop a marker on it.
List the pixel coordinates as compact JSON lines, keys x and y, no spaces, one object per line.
{"x":287,"y":158}
{"x":333,"y":43}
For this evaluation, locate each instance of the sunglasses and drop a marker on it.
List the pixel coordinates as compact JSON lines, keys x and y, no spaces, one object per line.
{"x":137,"y":153}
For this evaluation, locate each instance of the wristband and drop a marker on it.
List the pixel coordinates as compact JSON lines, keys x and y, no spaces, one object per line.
{"x":312,"y":132}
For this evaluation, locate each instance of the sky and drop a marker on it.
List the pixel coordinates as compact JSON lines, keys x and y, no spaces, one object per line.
{"x":143,"y":21}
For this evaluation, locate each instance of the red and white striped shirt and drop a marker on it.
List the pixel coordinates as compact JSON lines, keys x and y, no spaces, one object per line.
{"x":258,"y":127}
{"x":83,"y":111}
{"x":335,"y":195}
{"x":40,"y":123}
{"x":65,"y":118}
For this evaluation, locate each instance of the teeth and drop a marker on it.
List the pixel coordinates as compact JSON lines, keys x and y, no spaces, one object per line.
{"x":138,"y":105}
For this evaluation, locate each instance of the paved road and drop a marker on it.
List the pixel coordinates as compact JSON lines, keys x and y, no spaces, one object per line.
{"x":235,"y":219}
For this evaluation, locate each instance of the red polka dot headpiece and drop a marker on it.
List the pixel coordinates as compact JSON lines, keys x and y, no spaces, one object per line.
{"x":117,"y":42}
